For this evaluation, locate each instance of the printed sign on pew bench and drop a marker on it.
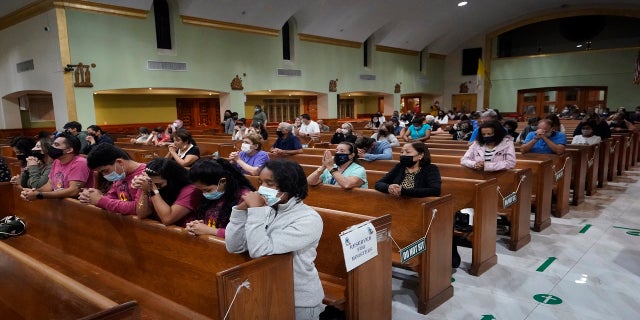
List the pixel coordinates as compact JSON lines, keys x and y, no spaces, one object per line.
{"x":359,"y":244}
{"x":409,"y":252}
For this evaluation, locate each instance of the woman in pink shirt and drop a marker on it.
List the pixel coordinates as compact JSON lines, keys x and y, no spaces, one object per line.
{"x":170,"y":196}
{"x":223,"y":186}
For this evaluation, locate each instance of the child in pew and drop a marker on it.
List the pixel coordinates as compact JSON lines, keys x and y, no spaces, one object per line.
{"x":183,"y":150}
{"x":222,"y":186}
{"x":167,"y":193}
{"x":115,"y":165}
{"x":69,"y":172}
{"x":587,"y":137}
{"x":274,"y":220}
{"x":36,"y":174}
{"x":493,"y":149}
{"x":341,"y":169}
{"x":251,"y":158}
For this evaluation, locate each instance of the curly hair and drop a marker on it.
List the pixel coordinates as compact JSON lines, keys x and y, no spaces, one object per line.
{"x":176,"y":175}
{"x":498,"y":131}
{"x":290,"y":177}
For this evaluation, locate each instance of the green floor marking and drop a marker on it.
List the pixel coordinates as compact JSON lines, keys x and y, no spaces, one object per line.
{"x":546,"y":264}
{"x":547,"y":299}
{"x":586,"y":227}
{"x":631,"y":232}
{"x":453,"y":279}
{"x":487,"y":317}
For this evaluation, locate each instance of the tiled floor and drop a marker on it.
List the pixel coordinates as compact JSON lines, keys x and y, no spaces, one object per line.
{"x":595,"y":274}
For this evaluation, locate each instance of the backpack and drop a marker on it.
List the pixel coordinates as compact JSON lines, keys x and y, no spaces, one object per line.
{"x":11,"y":226}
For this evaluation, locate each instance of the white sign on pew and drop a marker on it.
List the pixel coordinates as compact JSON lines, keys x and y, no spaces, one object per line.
{"x":359,"y":244}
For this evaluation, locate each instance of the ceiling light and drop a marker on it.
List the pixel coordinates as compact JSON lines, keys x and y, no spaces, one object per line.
{"x":150,"y":89}
{"x":579,"y":46}
{"x":462,"y":4}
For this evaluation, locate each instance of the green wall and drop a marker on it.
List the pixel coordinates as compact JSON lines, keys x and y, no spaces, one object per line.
{"x":611,"y":68}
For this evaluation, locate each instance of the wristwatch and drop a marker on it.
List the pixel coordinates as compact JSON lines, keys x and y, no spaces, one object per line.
{"x":332,"y":171}
{"x":153,"y":192}
{"x":39,"y":195}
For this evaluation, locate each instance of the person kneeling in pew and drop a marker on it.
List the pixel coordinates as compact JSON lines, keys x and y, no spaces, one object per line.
{"x":274,"y":220}
{"x":341,"y":169}
{"x":167,"y":193}
{"x":68,"y":174}
{"x":222,"y":186}
{"x":115,"y":165}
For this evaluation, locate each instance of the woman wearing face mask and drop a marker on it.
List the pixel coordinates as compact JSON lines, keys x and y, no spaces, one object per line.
{"x":385,"y":133}
{"x":374,"y":123}
{"x":22,"y":149}
{"x":259,"y":116}
{"x":274,"y":220}
{"x":493,"y":150}
{"x":418,"y":131}
{"x":222,"y":186}
{"x":39,"y":164}
{"x":341,"y":169}
{"x":587,"y":137}
{"x":169,"y":193}
{"x":251,"y":158}
{"x":345,"y":133}
{"x":414,"y":176}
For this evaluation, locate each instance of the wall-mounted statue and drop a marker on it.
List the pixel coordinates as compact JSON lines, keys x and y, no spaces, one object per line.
{"x":464,"y":87}
{"x":82,"y":75}
{"x":236,"y":83}
{"x":333,"y":85}
{"x":397,"y":88}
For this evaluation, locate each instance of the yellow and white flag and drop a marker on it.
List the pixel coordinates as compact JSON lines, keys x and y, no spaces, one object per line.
{"x":480,"y":74}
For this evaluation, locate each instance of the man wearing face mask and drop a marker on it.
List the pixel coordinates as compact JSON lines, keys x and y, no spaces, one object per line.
{"x":274,"y":220}
{"x":341,"y":169}
{"x":75,"y":128}
{"x":287,"y":143}
{"x":531,"y":127}
{"x":259,"y":115}
{"x":544,"y":140}
{"x":115,"y":165}
{"x":69,"y":172}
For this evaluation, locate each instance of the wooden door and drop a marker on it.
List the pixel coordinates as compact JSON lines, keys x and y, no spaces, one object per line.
{"x":311,"y":107}
{"x":466,"y":102}
{"x":199,"y":114}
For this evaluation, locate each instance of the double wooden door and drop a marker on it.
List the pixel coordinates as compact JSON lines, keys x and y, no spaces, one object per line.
{"x":199,"y":113}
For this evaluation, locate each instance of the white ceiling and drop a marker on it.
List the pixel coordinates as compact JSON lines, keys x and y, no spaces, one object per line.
{"x":438,"y":25}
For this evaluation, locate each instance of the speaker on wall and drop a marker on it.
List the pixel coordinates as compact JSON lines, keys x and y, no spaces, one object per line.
{"x":470,"y":61}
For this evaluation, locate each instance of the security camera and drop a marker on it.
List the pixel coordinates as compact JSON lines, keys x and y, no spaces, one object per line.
{"x":46,"y":28}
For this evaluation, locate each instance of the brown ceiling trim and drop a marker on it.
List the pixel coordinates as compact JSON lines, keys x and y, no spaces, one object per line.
{"x":437,"y":56}
{"x":102,"y":8}
{"x":229,"y":26}
{"x":397,"y":50}
{"x":25,"y":13}
{"x":331,"y":41}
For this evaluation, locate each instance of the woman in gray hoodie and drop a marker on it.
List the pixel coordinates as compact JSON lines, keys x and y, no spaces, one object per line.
{"x":274,"y":220}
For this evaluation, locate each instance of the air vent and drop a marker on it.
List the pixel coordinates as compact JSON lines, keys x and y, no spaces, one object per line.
{"x":167,"y":66}
{"x":367,"y":77}
{"x":289,"y":73}
{"x":25,"y":66}
{"x":422,"y":79}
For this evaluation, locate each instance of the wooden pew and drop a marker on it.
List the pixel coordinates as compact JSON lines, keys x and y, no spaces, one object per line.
{"x":170,"y":273}
{"x":411,"y":217}
{"x":32,"y":290}
{"x":364,"y":292}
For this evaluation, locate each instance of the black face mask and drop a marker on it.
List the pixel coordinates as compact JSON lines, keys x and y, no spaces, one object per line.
{"x":22,"y":157}
{"x":407,"y":161}
{"x":55,"y":153}
{"x":340,"y":158}
{"x":38,"y":154}
{"x":490,"y":139}
{"x":279,"y":134}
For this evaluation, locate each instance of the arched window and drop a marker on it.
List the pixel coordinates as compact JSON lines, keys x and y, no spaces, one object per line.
{"x":163,"y":24}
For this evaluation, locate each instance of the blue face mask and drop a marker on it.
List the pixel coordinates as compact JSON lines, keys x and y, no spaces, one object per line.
{"x":215,"y":195}
{"x":271,"y":195}
{"x":115,"y":176}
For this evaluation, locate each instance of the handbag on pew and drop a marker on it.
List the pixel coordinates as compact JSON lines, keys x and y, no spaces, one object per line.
{"x":11,"y":226}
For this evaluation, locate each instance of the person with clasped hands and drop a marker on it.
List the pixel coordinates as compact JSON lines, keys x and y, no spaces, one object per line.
{"x":287,"y":143}
{"x":415,"y":176}
{"x":36,"y":174}
{"x":493,"y":149}
{"x":274,"y":220}
{"x":341,"y":169}
{"x":544,"y":140}
{"x":251,"y":158}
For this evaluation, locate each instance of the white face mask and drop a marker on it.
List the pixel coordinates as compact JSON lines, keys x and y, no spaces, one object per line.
{"x":270,"y":194}
{"x":345,"y":131}
{"x":245,"y":147}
